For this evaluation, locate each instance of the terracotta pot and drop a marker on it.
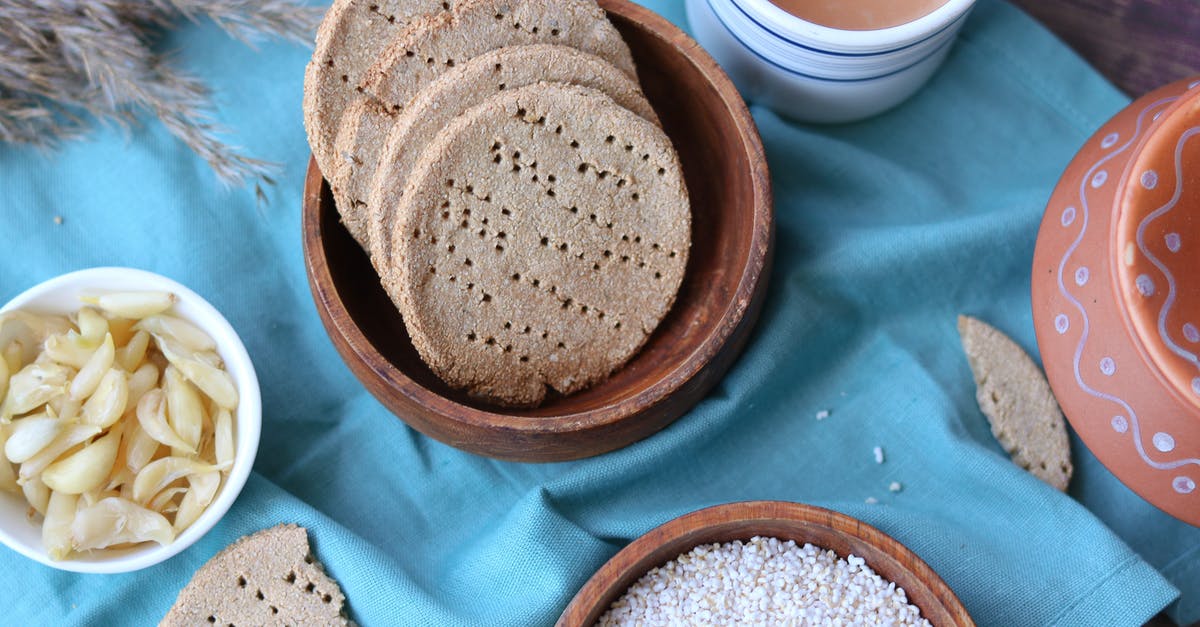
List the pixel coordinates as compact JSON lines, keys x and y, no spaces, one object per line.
{"x":1116,"y":296}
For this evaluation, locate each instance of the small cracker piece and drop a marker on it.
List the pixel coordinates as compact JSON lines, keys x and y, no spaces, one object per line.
{"x":267,"y":578}
{"x":1018,"y":402}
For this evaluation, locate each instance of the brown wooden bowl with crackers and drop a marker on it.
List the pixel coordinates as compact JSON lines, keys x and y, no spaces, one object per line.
{"x":785,"y":521}
{"x":693,"y":346}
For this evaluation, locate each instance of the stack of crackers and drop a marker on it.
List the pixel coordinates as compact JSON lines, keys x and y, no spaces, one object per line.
{"x":498,"y":161}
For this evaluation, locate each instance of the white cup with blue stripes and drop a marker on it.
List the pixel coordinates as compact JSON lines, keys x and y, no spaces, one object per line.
{"x":817,"y":73}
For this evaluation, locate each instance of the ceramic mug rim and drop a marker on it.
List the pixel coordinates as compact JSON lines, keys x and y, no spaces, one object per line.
{"x":876,"y":41}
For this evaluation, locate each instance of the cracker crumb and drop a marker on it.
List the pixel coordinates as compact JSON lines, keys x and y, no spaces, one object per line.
{"x":895,"y":486}
{"x":58,"y":219}
{"x":823,"y":414}
{"x":878,"y":454}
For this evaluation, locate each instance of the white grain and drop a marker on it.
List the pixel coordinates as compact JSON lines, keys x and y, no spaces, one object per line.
{"x":763,"y":581}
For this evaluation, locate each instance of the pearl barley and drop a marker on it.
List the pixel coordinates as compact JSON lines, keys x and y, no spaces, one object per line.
{"x":763,"y":581}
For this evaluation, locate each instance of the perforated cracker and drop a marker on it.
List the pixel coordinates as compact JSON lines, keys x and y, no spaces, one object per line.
{"x":268,"y":578}
{"x":388,"y":149}
{"x":433,"y":44}
{"x":350,"y":39}
{"x":540,"y":241}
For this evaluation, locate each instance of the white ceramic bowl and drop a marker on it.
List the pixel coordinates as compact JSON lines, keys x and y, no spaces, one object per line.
{"x":819,"y":74}
{"x":61,"y":295}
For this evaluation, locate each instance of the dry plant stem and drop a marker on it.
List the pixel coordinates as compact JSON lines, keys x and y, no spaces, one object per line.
{"x":62,"y":60}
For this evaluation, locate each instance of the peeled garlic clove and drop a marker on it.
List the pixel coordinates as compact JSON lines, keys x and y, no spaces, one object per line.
{"x":180,"y":331}
{"x":223,"y":427}
{"x":144,"y":379}
{"x":152,"y":416}
{"x":3,"y":377}
{"x":160,"y":473}
{"x":86,"y":469}
{"x":28,"y":436}
{"x":121,"y":329}
{"x":130,"y":355}
{"x":91,"y":497}
{"x":67,"y":410}
{"x":34,"y":386}
{"x":108,"y":402}
{"x":139,"y":448}
{"x":12,"y":357}
{"x":184,"y":409}
{"x":8,"y":476}
{"x":92,"y":326}
{"x":214,"y":382}
{"x":163,"y":499}
{"x":89,"y":376}
{"x":119,"y":478}
{"x":56,"y":529}
{"x":135,"y":305}
{"x":69,"y":349}
{"x":68,"y":439}
{"x":37,"y":494}
{"x":202,"y":489}
{"x":116,"y":520}
{"x":22,"y":334}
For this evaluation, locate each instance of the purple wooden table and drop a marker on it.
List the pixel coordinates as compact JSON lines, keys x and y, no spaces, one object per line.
{"x":1137,"y":44}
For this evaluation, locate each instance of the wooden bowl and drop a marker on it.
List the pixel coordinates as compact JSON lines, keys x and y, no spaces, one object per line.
{"x":787,"y":521}
{"x":1116,"y":296}
{"x":721,"y":295}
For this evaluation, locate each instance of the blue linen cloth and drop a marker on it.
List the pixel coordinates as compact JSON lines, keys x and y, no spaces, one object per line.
{"x":887,"y":229}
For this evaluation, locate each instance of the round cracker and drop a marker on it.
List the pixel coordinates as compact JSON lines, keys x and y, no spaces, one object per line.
{"x":349,"y":40}
{"x":433,"y":44}
{"x":386,"y":148}
{"x":540,"y":241}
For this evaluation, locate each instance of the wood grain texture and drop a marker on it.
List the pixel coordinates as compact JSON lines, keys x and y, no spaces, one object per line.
{"x":787,"y":521}
{"x":1137,"y":44}
{"x":718,"y":303}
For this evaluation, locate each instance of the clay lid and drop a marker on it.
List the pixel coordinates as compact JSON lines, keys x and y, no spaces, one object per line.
{"x":1157,"y":244}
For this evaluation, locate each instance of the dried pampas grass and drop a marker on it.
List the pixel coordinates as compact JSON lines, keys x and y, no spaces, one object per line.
{"x":65,"y":64}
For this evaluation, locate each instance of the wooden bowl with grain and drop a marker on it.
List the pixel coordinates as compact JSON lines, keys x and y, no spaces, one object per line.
{"x":800,"y":523}
{"x":717,"y":304}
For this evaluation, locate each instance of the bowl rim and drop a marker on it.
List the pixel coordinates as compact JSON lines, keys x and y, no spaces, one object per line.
{"x":625,"y":567}
{"x":753,"y":273}
{"x":248,"y":418}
